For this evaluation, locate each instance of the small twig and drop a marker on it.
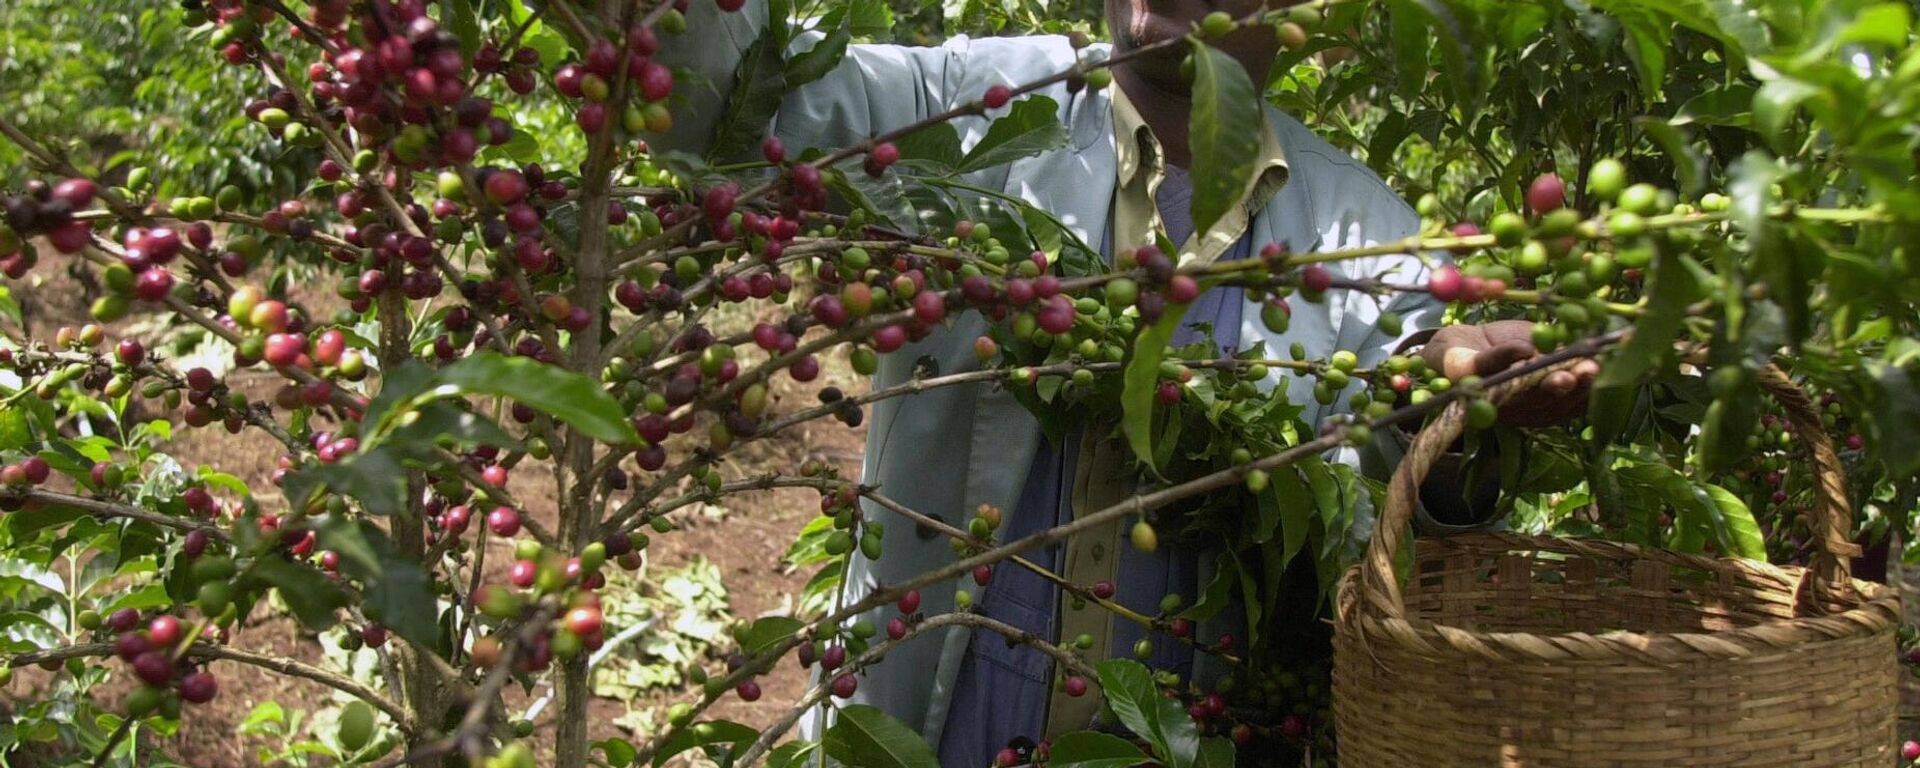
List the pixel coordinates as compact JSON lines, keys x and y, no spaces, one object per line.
{"x":593,"y":662}
{"x":201,"y":650}
{"x":113,"y":741}
{"x":309,"y":31}
{"x":820,"y":691}
{"x":473,"y":725}
{"x":111,"y":509}
{"x":1077,"y":590}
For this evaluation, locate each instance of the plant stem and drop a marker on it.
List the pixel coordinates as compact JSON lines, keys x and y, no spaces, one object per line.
{"x":421,"y":686}
{"x":818,"y":694}
{"x":110,"y":509}
{"x":200,"y":650}
{"x":113,"y":741}
{"x":579,"y":517}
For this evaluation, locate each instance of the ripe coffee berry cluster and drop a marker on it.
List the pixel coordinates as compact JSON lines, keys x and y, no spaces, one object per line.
{"x":155,"y":655}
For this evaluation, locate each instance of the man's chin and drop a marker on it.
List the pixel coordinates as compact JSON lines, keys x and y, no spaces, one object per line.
{"x":1153,"y":28}
{"x":1161,"y":69}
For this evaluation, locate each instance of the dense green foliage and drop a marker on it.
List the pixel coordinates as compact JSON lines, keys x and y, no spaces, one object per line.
{"x":121,"y":86}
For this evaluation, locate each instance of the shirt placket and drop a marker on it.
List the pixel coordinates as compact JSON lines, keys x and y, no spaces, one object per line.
{"x":1103,"y":475}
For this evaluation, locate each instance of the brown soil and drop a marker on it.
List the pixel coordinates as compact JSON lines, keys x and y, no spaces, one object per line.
{"x":746,"y":545}
{"x":1908,"y":577}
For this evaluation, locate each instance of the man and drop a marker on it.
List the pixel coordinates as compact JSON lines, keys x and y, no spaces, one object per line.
{"x":1121,"y":178}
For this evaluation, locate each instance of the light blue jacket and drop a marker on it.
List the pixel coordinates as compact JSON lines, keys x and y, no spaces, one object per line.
{"x":948,"y":450}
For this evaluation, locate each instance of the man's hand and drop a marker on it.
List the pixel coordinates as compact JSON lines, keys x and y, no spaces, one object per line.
{"x":1462,"y":350}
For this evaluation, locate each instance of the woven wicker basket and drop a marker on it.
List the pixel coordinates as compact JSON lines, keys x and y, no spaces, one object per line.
{"x":1510,"y":650}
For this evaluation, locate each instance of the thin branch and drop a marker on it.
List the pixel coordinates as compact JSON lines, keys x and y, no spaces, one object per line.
{"x":105,"y":508}
{"x":113,"y":741}
{"x":820,"y":691}
{"x":310,"y":32}
{"x":467,"y":736}
{"x":104,"y":252}
{"x":152,"y":368}
{"x":59,"y":164}
{"x":278,"y":664}
{"x":1079,"y":591}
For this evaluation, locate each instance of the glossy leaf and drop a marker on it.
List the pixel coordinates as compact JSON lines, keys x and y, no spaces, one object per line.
{"x":1218,"y":593}
{"x":1215,"y":752}
{"x":570,"y":397}
{"x":1141,"y":382}
{"x":793,"y":754}
{"x":1615,"y":391}
{"x":26,"y":631}
{"x":1222,"y":134}
{"x":765,"y":632}
{"x":1774,"y":106}
{"x":759,"y":81}
{"x":1647,"y":47}
{"x":313,"y":598}
{"x":1092,"y":749}
{"x":1894,"y":397}
{"x":822,"y":58}
{"x":459,"y":17}
{"x":935,"y":148}
{"x":1031,"y":126}
{"x":398,"y":593}
{"x":865,"y":736}
{"x":706,"y":734}
{"x":1136,"y":700}
{"x":1739,"y":533}
{"x":14,"y":432}
{"x":25,"y":523}
{"x":373,"y":477}
{"x":1296,"y":507}
{"x":1690,"y":166}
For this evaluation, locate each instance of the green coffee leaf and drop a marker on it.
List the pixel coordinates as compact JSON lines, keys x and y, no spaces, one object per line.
{"x":1141,"y":380}
{"x":570,"y":397}
{"x":864,"y":736}
{"x":1136,"y":700}
{"x":1223,"y":134}
{"x":398,"y":593}
{"x":1031,"y":126}
{"x":1092,"y":749}
{"x":766,"y":632}
{"x":822,"y":58}
{"x":311,"y":596}
{"x":704,"y":734}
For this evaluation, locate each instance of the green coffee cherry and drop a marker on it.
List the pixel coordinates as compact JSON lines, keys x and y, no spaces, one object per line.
{"x":1607,"y":179}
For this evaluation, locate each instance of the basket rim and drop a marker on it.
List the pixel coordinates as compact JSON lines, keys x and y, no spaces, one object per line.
{"x":1875,"y":609}
{"x":1827,"y":578}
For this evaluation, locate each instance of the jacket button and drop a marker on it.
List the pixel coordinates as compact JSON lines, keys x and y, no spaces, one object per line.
{"x":1099,"y":552}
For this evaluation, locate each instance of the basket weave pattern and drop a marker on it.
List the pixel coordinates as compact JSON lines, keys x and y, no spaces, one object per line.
{"x":1537,"y":651}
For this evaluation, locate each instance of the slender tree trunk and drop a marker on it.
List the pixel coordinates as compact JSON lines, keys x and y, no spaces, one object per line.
{"x":419,"y":680}
{"x":579,"y":516}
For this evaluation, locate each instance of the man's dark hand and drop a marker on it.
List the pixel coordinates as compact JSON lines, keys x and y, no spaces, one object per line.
{"x":1483,"y":350}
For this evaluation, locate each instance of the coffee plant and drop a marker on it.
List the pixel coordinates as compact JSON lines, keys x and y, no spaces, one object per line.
{"x":538,"y":276}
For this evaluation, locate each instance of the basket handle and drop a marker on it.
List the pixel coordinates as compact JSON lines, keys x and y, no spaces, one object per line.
{"x":1832,"y":517}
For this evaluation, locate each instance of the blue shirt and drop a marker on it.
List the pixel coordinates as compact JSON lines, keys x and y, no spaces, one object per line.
{"x":1002,"y":691}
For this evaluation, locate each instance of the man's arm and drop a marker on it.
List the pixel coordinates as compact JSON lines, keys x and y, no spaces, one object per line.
{"x":1445,"y":495}
{"x":875,"y":88}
